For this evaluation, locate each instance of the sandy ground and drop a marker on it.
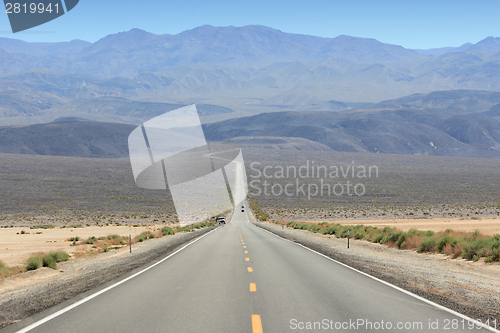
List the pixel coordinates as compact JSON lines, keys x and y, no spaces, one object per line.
{"x":487,"y":226}
{"x":16,"y":248}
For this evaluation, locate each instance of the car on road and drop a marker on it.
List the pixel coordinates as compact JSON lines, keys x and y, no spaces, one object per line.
{"x":220,"y":220}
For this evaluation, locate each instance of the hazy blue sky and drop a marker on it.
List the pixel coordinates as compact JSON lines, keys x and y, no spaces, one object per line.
{"x":412,"y":24}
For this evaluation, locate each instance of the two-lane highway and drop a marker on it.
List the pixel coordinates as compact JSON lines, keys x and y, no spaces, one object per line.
{"x":240,"y":278}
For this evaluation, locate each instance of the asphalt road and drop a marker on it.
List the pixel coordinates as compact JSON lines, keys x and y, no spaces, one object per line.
{"x":240,"y":278}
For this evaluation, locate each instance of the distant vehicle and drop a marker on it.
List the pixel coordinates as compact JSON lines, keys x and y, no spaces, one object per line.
{"x":221,"y":220}
{"x":242,"y":210}
{"x":242,"y":206}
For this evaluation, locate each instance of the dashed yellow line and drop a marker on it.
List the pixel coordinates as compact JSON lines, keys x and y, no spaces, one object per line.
{"x":246,"y":251}
{"x":247,"y":259}
{"x":256,"y":324}
{"x":253,"y":287}
{"x":250,"y":270}
{"x":244,"y":247}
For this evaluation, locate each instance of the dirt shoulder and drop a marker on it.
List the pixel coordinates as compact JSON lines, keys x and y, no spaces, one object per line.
{"x":470,"y":288}
{"x":25,"y":294}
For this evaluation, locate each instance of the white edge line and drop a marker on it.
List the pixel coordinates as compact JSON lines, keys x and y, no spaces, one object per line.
{"x":420,"y":298}
{"x":102,"y":291}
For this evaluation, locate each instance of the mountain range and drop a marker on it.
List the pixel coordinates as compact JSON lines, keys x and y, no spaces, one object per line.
{"x":255,"y":86}
{"x":251,"y":68}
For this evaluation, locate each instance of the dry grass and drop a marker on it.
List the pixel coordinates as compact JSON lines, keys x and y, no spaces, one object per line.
{"x":413,"y":242}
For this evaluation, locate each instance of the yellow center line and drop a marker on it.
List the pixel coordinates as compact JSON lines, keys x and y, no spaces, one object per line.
{"x":244,"y":247}
{"x":256,"y":324}
{"x":246,"y":251}
{"x":247,"y":259}
{"x":250,"y":270}
{"x":242,"y":243}
{"x":253,"y":287}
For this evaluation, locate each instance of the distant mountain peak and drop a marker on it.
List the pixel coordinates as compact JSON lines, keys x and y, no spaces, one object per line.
{"x":490,"y":44}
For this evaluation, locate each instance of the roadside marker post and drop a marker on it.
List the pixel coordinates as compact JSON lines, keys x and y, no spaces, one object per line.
{"x":348,"y":238}
{"x":130,"y":242}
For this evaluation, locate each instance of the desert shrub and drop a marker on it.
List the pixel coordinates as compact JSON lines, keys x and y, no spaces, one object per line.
{"x":480,"y":247}
{"x":342,"y":233}
{"x":416,"y":232}
{"x":401,"y":240}
{"x":59,"y":256}
{"x":167,"y":231}
{"x":445,"y":240}
{"x":34,"y":263}
{"x":378,"y":238}
{"x":90,"y":240}
{"x":428,"y":244}
{"x":391,"y":237}
{"x":494,"y":257}
{"x":469,"y":249}
{"x":49,"y":261}
{"x":145,"y":235}
{"x":314,"y":228}
{"x":330,"y":230}
{"x":181,"y":229}
{"x":360,"y":234}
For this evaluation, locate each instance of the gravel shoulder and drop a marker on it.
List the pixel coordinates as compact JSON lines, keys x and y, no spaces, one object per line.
{"x":29,"y":293}
{"x":470,"y":288}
